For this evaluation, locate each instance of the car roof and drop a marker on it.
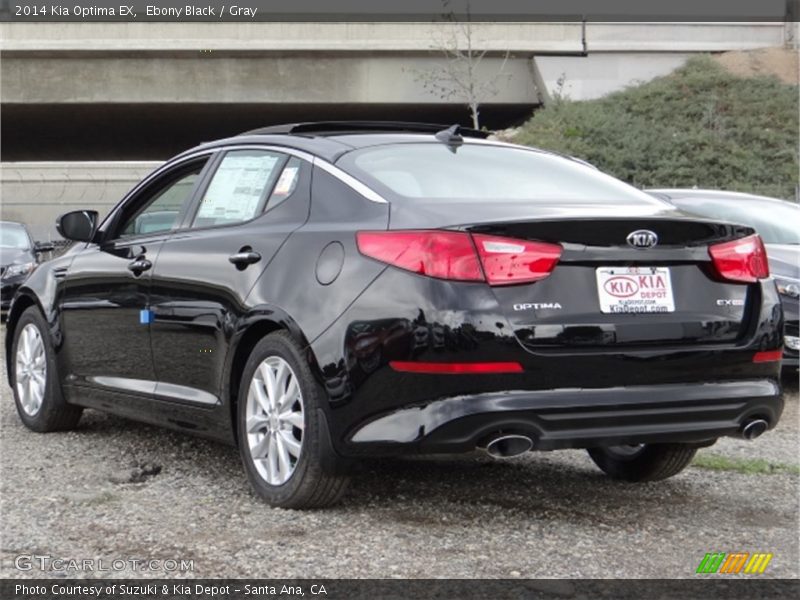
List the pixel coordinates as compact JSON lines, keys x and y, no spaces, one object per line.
{"x":331,"y":139}
{"x":341,"y":127}
{"x":326,"y":148}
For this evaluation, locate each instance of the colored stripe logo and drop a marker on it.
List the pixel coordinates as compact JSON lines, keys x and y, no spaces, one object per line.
{"x":734,"y":562}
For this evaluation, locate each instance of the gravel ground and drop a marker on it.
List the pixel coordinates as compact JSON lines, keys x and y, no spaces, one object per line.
{"x":69,"y":496}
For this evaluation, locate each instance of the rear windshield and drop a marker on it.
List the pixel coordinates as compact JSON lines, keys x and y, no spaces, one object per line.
{"x":483,"y":172}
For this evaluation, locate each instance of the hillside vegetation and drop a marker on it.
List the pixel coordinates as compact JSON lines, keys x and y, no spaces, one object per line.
{"x":698,"y":126}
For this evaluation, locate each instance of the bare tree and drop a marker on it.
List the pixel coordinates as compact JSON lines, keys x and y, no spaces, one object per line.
{"x":459,"y":76}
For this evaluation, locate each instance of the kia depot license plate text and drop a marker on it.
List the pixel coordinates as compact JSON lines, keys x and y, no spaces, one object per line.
{"x":635,"y":290}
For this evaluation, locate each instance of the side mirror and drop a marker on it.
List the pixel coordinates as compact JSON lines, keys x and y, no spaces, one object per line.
{"x":41,"y":247}
{"x":78,"y":225}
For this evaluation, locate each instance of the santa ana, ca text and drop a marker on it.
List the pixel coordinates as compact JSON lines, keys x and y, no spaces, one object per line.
{"x":127,"y":590}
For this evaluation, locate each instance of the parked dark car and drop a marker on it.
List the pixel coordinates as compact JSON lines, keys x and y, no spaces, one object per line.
{"x":332,"y":291}
{"x":778,"y":224}
{"x":19,"y":255}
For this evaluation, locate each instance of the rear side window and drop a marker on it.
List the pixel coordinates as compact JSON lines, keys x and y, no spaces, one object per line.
{"x":240,"y":187}
{"x":286,"y":183}
{"x":483,"y":172}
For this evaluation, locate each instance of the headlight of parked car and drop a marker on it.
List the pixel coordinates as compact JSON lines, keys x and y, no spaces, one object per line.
{"x":788,"y":287}
{"x":17,"y":270}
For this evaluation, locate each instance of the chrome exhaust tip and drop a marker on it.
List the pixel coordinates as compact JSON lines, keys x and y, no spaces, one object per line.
{"x":752,"y":429}
{"x":508,"y":446}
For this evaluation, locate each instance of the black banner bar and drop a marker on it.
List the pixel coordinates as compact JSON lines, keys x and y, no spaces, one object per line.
{"x":177,"y":11}
{"x":729,"y":588}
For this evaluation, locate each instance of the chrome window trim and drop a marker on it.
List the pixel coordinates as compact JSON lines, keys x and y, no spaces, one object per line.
{"x":350,"y":181}
{"x":323,"y":164}
{"x":328,"y":167}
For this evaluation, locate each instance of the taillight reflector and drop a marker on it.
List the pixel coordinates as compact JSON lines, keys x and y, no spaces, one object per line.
{"x":768,"y":356}
{"x":743,"y":260}
{"x":456,"y":368}
{"x":459,"y":256}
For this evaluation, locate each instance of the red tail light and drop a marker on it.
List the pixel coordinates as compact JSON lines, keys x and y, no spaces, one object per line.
{"x":742,"y":260}
{"x":443,"y":254}
{"x":507,"y":261}
{"x":456,"y":255}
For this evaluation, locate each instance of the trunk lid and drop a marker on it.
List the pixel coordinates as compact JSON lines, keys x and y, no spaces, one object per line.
{"x":600,"y":277}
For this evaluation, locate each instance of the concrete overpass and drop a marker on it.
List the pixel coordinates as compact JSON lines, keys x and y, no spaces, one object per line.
{"x":142,"y":91}
{"x":145,"y":90}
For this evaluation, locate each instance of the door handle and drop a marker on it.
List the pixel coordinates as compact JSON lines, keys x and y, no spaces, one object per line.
{"x":242,"y":259}
{"x":139,"y":265}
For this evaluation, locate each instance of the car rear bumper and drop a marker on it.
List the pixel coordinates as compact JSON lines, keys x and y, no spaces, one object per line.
{"x":568,"y":396}
{"x":575,"y":418}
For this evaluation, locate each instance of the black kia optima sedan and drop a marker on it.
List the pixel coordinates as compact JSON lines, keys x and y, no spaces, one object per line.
{"x":321,"y":292}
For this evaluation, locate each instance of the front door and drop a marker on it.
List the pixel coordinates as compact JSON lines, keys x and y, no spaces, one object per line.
{"x":104,"y":305}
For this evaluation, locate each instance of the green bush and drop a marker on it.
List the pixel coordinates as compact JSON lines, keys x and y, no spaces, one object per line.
{"x":698,"y":126}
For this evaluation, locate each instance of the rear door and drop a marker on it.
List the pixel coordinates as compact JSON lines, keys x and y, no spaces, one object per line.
{"x":249,"y":206}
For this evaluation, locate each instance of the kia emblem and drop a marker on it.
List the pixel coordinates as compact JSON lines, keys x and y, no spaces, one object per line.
{"x":642,"y":238}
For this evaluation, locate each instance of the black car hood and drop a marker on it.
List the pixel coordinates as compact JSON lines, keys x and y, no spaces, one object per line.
{"x":11,"y":256}
{"x":784,"y":260}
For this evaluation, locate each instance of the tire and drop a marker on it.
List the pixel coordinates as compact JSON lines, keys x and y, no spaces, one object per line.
{"x":37,"y":385}
{"x":648,"y":462}
{"x":287,"y":465}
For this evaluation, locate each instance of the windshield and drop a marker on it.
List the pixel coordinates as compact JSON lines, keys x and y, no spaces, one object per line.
{"x":775,"y":221}
{"x":485,"y":173}
{"x":13,"y":236}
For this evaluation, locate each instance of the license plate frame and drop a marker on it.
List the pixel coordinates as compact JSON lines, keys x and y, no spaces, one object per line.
{"x":635,"y":290}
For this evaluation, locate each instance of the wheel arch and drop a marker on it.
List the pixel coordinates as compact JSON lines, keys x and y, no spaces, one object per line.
{"x":23,"y":301}
{"x":257,"y":324}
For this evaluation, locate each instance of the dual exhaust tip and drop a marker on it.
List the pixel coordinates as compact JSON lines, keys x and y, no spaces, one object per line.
{"x":507,"y":445}
{"x":752,"y":429}
{"x":511,"y":445}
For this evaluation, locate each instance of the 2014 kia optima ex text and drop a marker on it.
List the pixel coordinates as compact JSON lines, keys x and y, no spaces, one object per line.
{"x":319,"y":292}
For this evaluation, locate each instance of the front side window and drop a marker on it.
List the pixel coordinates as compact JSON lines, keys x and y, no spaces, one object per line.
{"x":242,"y":185}
{"x":161,"y":211}
{"x":484,"y":173}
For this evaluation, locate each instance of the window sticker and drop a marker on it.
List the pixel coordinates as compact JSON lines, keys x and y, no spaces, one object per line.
{"x":286,"y":182}
{"x":236,"y":189}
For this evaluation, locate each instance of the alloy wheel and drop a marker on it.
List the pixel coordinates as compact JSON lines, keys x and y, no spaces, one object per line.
{"x":30,"y":372}
{"x":275,"y":420}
